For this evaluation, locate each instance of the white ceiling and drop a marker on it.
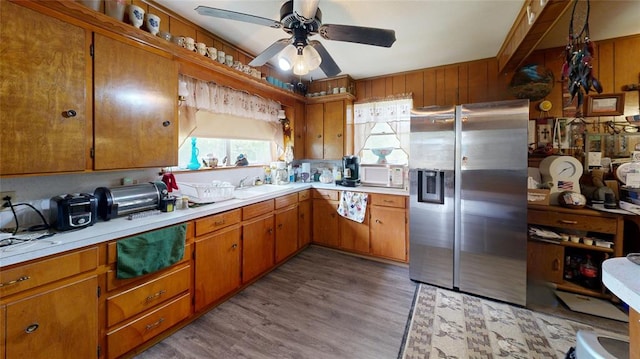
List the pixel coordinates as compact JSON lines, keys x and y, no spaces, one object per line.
{"x":429,"y":32}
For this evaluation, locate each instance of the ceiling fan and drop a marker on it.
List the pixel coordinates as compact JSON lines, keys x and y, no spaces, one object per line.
{"x":302,"y":19}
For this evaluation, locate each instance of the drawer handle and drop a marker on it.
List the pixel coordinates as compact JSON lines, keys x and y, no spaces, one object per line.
{"x":556,"y":264}
{"x":387,"y":201}
{"x":32,"y":328}
{"x":155,"y":296}
{"x":219,"y":223}
{"x":21,"y":279}
{"x":566,"y":221}
{"x":155,"y":325}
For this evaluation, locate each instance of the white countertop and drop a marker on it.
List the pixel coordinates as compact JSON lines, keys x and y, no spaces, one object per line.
{"x":103,"y":231}
{"x":622,"y":277}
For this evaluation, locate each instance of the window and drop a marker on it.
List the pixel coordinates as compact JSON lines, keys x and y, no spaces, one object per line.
{"x":383,"y":127}
{"x":257,"y":152}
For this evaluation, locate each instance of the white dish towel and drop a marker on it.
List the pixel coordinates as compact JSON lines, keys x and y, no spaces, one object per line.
{"x":353,"y":205}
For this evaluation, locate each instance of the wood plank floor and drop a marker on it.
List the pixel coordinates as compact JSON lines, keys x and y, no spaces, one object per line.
{"x":320,"y":304}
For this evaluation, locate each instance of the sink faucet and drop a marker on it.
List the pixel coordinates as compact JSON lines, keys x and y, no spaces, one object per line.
{"x":241,"y":184}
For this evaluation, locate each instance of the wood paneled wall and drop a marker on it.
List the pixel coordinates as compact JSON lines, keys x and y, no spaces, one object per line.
{"x":615,"y":64}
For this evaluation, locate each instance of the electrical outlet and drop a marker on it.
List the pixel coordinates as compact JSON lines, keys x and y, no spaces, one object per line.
{"x":11,"y":194}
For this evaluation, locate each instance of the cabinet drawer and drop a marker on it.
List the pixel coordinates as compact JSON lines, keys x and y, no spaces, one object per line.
{"x":154,"y":291}
{"x":304,"y":195}
{"x":138,"y":331}
{"x":327,"y":194}
{"x":32,"y":275}
{"x":387,"y":200}
{"x":286,"y":200}
{"x":254,"y":210}
{"x":217,"y":221}
{"x":573,"y":221}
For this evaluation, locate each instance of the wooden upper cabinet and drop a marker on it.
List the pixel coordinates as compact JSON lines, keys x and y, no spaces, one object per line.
{"x":334,"y":130}
{"x":43,"y":78}
{"x":314,"y":141}
{"x":325,"y":129}
{"x":136,"y":93}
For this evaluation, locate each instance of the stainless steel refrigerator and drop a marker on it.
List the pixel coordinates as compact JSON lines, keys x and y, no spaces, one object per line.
{"x":468,"y":198}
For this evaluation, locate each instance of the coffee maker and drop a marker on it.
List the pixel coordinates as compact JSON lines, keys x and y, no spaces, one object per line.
{"x":350,"y":171}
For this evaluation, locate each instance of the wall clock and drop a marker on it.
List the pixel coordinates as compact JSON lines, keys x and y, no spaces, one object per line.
{"x":563,"y":173}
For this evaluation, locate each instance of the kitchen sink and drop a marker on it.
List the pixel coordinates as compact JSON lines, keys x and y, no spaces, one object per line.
{"x":255,"y":191}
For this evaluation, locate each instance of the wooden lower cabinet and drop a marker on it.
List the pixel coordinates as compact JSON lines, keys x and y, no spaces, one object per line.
{"x":217,"y":265}
{"x":326,"y":225}
{"x":125,"y":338}
{"x":545,"y":261}
{"x":388,"y":230}
{"x":57,"y":323}
{"x":286,"y":232}
{"x":354,"y":236}
{"x":304,"y":223}
{"x":258,"y":245}
{"x":634,"y":334}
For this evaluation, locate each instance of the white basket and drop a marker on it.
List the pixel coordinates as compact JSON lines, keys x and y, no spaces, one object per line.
{"x":206,"y":192}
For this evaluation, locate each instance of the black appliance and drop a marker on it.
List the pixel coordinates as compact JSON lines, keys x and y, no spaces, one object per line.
{"x":350,"y":171}
{"x":73,"y":211}
{"x":123,"y":200}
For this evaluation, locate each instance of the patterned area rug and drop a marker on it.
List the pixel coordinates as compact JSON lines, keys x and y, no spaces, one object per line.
{"x":447,"y":324}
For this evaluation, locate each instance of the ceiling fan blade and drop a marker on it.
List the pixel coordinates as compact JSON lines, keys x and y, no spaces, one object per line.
{"x":270,"y":52}
{"x":305,"y":10}
{"x":232,"y":15}
{"x":328,"y":66}
{"x":358,"y":34}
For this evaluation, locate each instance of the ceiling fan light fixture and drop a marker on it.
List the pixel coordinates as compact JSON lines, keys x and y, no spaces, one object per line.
{"x":311,"y":57}
{"x":286,"y":58}
{"x":300,"y":67}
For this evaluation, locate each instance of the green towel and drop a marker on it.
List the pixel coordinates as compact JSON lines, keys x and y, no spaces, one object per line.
{"x":150,"y":252}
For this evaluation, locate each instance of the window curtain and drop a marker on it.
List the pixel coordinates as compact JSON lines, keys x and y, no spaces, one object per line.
{"x":396,"y":112}
{"x":225,"y":105}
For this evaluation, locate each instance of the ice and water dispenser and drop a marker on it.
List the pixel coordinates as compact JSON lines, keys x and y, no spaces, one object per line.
{"x":431,"y":186}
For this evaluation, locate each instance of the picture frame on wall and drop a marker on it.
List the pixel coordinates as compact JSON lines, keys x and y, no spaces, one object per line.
{"x":604,"y":105}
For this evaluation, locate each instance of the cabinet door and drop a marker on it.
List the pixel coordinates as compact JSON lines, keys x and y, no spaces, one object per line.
{"x":314,"y":141}
{"x":388,"y":232}
{"x":3,"y":315}
{"x":257,"y":247}
{"x":299,"y":124}
{"x":333,"y":130}
{"x":43,"y":74}
{"x":326,"y":229}
{"x":217,"y":270}
{"x":136,"y":94}
{"x":286,"y":232}
{"x":545,"y":261}
{"x":304,"y":223}
{"x":354,"y":236}
{"x":60,"y":323}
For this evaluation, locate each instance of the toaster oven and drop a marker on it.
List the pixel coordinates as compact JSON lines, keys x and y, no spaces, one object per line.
{"x":382,"y":175}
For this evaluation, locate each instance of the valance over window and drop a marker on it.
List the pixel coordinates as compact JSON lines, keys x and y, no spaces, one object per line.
{"x":214,"y":111}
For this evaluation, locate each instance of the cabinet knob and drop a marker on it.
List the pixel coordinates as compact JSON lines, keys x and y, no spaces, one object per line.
{"x":69,"y":113}
{"x":166,"y":123}
{"x":378,"y":221}
{"x":270,"y":230}
{"x":319,"y":136}
{"x":339,"y":135}
{"x":234,"y":246}
{"x":280,"y":226}
{"x":32,"y":328}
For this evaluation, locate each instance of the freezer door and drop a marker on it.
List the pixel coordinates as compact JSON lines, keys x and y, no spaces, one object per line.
{"x":431,"y":226}
{"x":432,"y":138}
{"x":493,"y":200}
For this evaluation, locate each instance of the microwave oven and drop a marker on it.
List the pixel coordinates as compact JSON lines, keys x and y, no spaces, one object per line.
{"x":390,"y":176}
